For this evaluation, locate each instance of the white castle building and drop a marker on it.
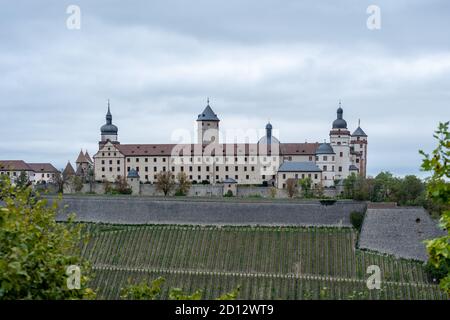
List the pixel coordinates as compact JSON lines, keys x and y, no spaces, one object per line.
{"x":268,"y":162}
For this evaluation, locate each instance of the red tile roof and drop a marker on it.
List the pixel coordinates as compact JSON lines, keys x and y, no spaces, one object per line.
{"x":224,"y":149}
{"x":14,"y":165}
{"x":43,"y":167}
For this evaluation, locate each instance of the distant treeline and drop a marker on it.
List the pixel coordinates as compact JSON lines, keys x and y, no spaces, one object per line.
{"x":385,"y":187}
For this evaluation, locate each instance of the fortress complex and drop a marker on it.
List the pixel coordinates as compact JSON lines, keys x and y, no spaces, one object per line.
{"x":268,"y":162}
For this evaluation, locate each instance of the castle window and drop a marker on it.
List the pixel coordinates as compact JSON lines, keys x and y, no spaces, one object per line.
{"x":182,"y":169}
{"x":155,"y":169}
{"x":146,"y":169}
{"x":190,"y":177}
{"x":110,"y":169}
{"x":303,"y":176}
{"x":118,"y":161}
{"x":137,"y":169}
{"x":103,"y":161}
{"x":199,"y":168}
{"x":137,"y":159}
{"x":264,"y":176}
{"x":226,"y":177}
{"x":236,"y":159}
{"x":357,"y":160}
{"x":245,"y":168}
{"x":190,"y":169}
{"x":199,"y":178}
{"x":103,"y":154}
{"x":207,"y":177}
{"x":207,"y":168}
{"x":128,"y":159}
{"x":146,"y":160}
{"x":317,"y":158}
{"x":315,"y":176}
{"x":236,"y":177}
{"x":236,"y":168}
{"x":154,"y":159}
{"x":217,"y":168}
{"x":217,"y":177}
{"x":284,"y":176}
{"x":340,"y":169}
{"x":332,"y":158}
{"x":339,"y":143}
{"x":155,"y":177}
{"x":109,"y":148}
{"x":341,"y":154}
{"x":118,"y":169}
{"x":226,"y":168}
{"x":325,"y":168}
{"x":109,"y":153}
{"x":164,"y":169}
{"x":103,"y":169}
{"x":253,"y":168}
{"x":110,"y":161}
{"x":296,"y":176}
{"x":309,"y":175}
{"x":114,"y":154}
{"x":325,"y":178}
{"x":325,"y":158}
{"x":164,"y":159}
{"x":310,"y":158}
{"x":173,"y":169}
{"x":146,"y":177}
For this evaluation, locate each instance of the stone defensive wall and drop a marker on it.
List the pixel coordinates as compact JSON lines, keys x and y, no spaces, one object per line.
{"x":143,"y":210}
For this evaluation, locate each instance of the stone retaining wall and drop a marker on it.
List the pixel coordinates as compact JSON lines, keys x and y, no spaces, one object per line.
{"x":141,"y":210}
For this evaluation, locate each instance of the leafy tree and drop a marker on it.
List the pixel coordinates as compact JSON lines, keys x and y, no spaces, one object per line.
{"x":349,"y":186}
{"x":183,"y":185}
{"x":273,"y":192}
{"x":77,"y":183}
{"x":306,"y":184}
{"x":438,"y":190}
{"x":165,"y":182}
{"x":291,"y":187}
{"x":60,"y":181}
{"x":35,"y":250}
{"x":22,"y":181}
{"x":143,"y":291}
{"x":178,"y":294}
{"x":122,"y":186}
{"x":411,"y":191}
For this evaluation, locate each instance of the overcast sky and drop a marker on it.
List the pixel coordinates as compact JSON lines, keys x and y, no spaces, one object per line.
{"x":287,"y":61}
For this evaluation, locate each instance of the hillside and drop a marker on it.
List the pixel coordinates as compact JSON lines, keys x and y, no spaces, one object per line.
{"x":267,"y":262}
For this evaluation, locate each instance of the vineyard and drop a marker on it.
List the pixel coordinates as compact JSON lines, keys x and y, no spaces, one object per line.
{"x":266,"y":262}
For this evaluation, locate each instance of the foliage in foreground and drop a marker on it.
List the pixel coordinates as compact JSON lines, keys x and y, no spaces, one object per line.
{"x":438,"y":191}
{"x":35,"y":251}
{"x":143,"y":291}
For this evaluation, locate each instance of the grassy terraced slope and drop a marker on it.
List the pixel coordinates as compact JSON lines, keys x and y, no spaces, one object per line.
{"x":267,"y":262}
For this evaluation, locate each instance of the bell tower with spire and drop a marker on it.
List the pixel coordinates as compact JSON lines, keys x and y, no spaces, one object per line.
{"x":207,"y":126}
{"x":340,"y":141}
{"x":108,"y":130}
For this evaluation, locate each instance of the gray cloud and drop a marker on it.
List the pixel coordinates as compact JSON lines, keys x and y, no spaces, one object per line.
{"x":289,"y":62}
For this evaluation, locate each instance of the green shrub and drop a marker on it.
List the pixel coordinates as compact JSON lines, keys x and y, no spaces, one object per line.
{"x":357,"y":218}
{"x":229,"y":193}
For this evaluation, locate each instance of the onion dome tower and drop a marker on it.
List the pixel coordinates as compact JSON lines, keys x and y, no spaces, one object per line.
{"x":108,"y":130}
